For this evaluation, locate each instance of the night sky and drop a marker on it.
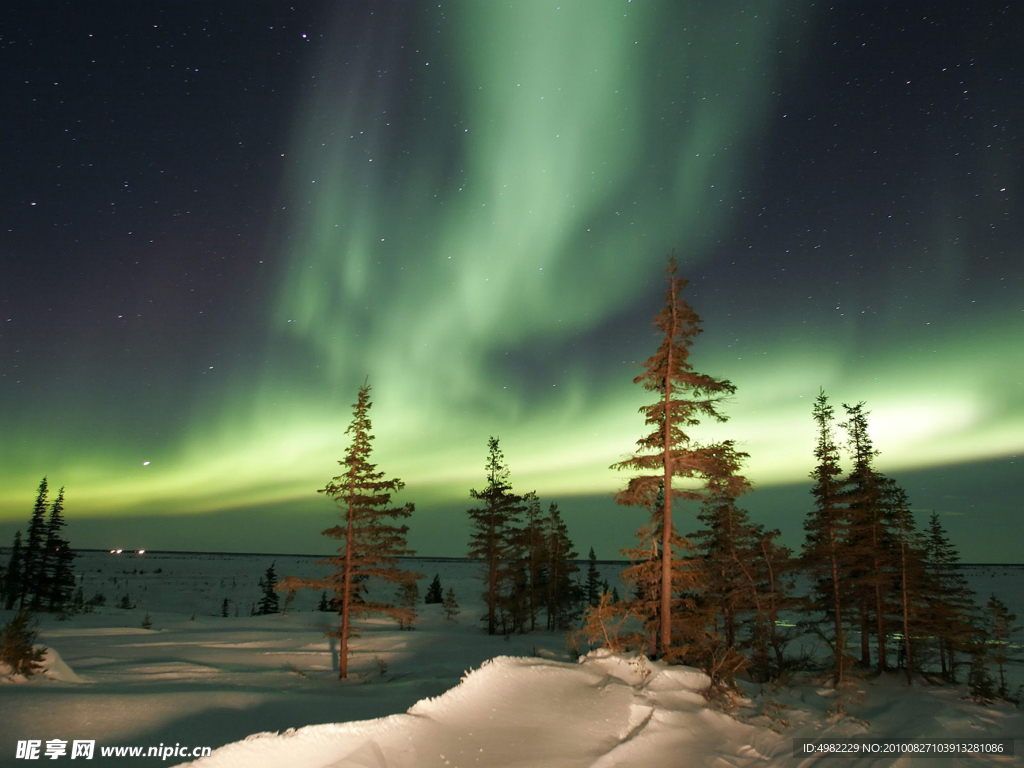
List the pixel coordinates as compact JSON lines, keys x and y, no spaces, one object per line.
{"x":219,"y":218}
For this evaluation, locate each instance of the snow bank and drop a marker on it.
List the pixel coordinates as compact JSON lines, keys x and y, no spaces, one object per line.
{"x":607,"y":710}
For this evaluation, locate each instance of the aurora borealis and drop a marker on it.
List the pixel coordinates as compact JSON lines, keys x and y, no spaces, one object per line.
{"x":219,"y":223}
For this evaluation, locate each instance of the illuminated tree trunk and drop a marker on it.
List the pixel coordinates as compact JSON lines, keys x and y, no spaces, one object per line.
{"x":667,"y":452}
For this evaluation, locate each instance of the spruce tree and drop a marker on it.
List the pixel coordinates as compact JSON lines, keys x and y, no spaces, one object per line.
{"x":435,"y":593}
{"x":13,"y":578}
{"x":451,"y":608}
{"x":690,"y":618}
{"x":407,"y":596}
{"x":777,"y":572}
{"x":561,"y":568}
{"x":729,"y":544}
{"x":979,"y":679}
{"x":17,"y":650}
{"x":1001,"y":632}
{"x":593,"y":580}
{"x":495,"y":538}
{"x":270,"y":602}
{"x":910,"y":571}
{"x":668,"y":451}
{"x":534,"y":547}
{"x":224,"y":608}
{"x":371,"y":538}
{"x":869,"y":543}
{"x":32,"y":554}
{"x":826,"y":527}
{"x":58,"y":578}
{"x":953,"y":611}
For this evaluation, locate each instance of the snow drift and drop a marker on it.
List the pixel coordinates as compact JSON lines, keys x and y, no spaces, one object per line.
{"x":608,"y":710}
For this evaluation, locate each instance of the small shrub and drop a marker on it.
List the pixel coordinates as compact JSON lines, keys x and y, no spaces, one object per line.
{"x":17,"y":641}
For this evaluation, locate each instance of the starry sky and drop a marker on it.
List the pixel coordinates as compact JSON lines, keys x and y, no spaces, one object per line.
{"x":220,"y":218}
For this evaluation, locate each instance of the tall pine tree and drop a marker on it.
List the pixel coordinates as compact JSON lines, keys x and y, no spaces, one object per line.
{"x":1002,"y":630}
{"x":33,"y":554}
{"x":495,"y":537}
{"x":58,"y":579}
{"x":534,"y":549}
{"x":562,"y":591}
{"x":826,"y":527}
{"x":668,"y":451}
{"x":370,"y":534}
{"x":869,"y":543}
{"x":953,"y":610}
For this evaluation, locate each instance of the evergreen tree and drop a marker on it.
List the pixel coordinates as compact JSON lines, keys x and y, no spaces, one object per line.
{"x":979,"y":679}
{"x":561,"y":569}
{"x":910,"y":569}
{"x":372,"y":540}
{"x":323,"y":606}
{"x":269,"y":603}
{"x":951,"y":602}
{"x":407,"y":596}
{"x":869,"y":543}
{"x":32,"y":554}
{"x":496,"y":538}
{"x":58,"y":579}
{"x":434,"y":592}
{"x":826,"y":528}
{"x":224,"y":608}
{"x":593,"y":580}
{"x":14,"y":577}
{"x":668,"y":452}
{"x":777,"y":571}
{"x":451,"y":608}
{"x":690,"y":618}
{"x":535,"y":550}
{"x":1001,"y":632}
{"x":17,"y":650}
{"x":729,"y":543}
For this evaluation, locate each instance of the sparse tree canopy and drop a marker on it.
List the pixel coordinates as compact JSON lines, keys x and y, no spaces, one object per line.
{"x":370,"y":534}
{"x":826,"y":527}
{"x":562,"y":591}
{"x":669,"y":452}
{"x":496,"y":538}
{"x":33,"y":553}
{"x":450,"y":606}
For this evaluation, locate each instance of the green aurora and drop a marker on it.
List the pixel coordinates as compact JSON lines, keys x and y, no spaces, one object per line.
{"x":476,"y":216}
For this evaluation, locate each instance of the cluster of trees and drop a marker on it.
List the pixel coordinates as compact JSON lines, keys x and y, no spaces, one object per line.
{"x":528,"y":560}
{"x":876,"y":574}
{"x":436,"y":594}
{"x":38,"y":575}
{"x":714,"y":599}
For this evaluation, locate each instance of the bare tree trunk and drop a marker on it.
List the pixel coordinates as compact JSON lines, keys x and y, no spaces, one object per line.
{"x":346,"y":600}
{"x":906,"y":612}
{"x":666,"y":531}
{"x":865,"y":636}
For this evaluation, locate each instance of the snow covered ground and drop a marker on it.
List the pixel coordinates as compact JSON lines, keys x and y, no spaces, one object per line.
{"x":197,"y":679}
